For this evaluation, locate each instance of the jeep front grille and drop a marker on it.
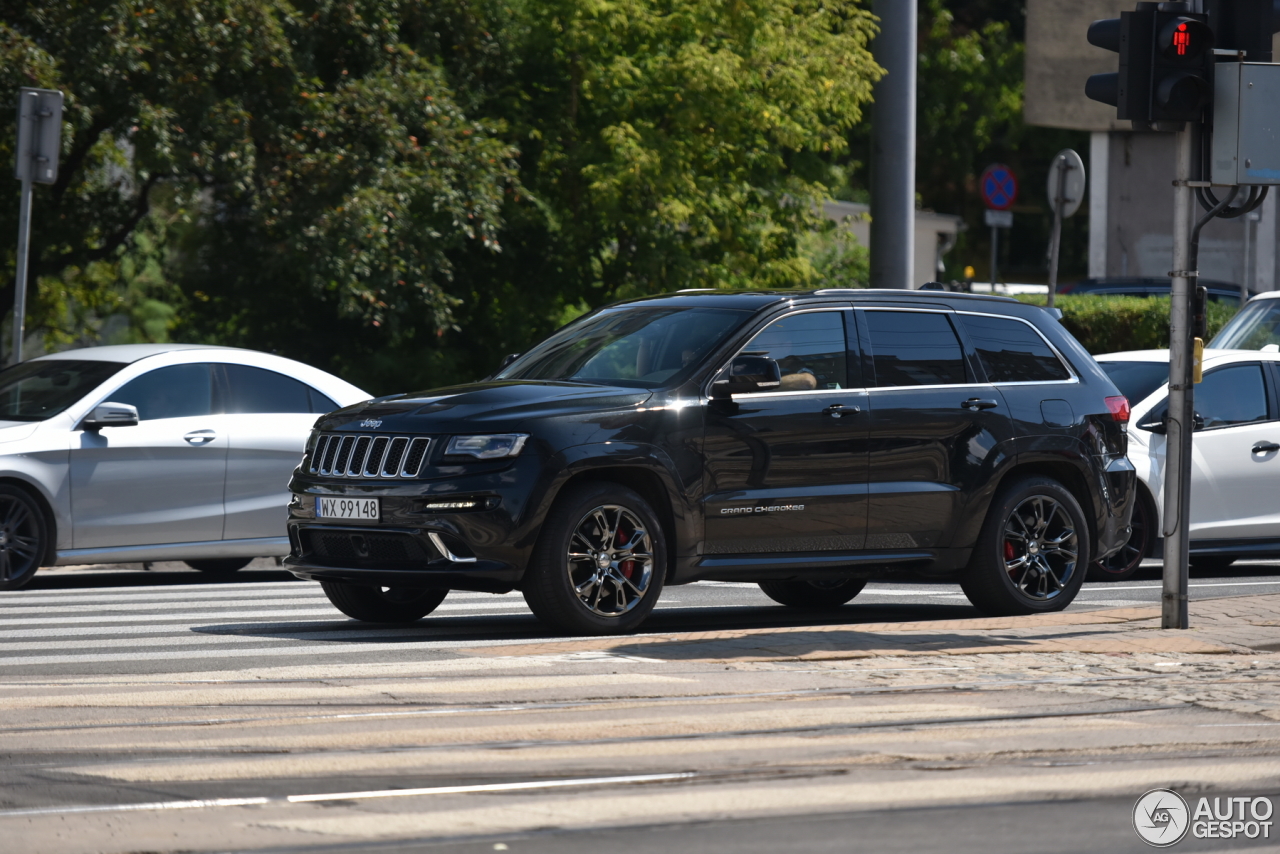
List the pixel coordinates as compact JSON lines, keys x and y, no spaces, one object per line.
{"x":367,"y":456}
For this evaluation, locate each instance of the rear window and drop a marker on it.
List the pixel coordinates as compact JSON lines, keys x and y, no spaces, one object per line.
{"x":914,"y":348}
{"x":1137,"y":380}
{"x":1013,"y":352}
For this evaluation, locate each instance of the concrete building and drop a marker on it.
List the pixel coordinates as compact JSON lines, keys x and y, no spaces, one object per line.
{"x":935,"y":234}
{"x":1130,"y":174}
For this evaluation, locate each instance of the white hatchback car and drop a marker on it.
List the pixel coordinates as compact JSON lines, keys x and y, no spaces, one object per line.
{"x":1235,"y":505}
{"x":153,"y":452}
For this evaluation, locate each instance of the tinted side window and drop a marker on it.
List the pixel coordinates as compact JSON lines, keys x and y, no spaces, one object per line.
{"x":809,"y":349}
{"x":1013,"y":352}
{"x":1235,"y":395}
{"x":258,"y":390}
{"x":914,"y":348}
{"x":177,"y":391}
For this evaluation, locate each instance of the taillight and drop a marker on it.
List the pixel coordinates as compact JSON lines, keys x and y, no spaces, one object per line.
{"x":1119,"y":407}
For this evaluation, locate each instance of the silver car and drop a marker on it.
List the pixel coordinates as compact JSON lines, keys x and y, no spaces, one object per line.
{"x":152,"y":452}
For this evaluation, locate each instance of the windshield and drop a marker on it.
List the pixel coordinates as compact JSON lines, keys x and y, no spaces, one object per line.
{"x":1137,"y":380}
{"x":1256,"y":327}
{"x":629,"y":345}
{"x":34,"y":391}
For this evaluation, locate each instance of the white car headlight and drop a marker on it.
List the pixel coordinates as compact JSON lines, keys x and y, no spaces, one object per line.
{"x":487,"y":447}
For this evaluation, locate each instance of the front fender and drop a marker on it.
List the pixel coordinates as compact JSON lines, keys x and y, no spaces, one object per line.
{"x":618,"y":459}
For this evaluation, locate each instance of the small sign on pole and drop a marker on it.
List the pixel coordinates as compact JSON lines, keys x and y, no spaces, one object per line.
{"x":999,"y":187}
{"x":39,"y":142}
{"x":1066,"y":192}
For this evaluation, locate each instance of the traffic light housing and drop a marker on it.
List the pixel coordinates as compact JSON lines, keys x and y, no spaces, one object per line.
{"x":1181,"y":67}
{"x":1166,"y":65}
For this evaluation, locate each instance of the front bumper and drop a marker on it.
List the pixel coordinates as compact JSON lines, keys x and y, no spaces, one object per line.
{"x":484,"y":549}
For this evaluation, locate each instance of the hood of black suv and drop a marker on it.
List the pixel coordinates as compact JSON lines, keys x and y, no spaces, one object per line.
{"x":486,"y":405}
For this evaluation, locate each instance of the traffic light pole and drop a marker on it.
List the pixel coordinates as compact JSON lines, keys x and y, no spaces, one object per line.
{"x":1177,"y":484}
{"x":20,"y":282}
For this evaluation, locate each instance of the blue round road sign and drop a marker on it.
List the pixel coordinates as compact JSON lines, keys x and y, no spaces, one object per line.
{"x":999,"y":187}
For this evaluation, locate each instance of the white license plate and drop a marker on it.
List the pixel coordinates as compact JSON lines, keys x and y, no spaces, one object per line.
{"x":347,"y":508}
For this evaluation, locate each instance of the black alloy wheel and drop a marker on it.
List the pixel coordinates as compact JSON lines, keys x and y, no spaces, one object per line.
{"x":814,"y":595}
{"x":383,"y":604}
{"x":219,"y":565}
{"x":1030,"y":554}
{"x":600,"y":562}
{"x":1122,"y":565}
{"x":24,"y":538}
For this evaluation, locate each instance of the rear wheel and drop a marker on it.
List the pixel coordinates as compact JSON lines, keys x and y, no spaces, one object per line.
{"x":599,"y":564}
{"x":817,"y":595}
{"x":1122,"y":565}
{"x":1030,"y":553}
{"x":219,"y":565}
{"x":383,"y":604}
{"x":24,"y":538}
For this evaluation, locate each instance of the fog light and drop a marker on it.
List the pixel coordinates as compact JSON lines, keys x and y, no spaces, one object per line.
{"x":469,"y":504}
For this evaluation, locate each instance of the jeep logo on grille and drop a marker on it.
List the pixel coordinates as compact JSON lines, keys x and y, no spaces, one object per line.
{"x":371,"y":422}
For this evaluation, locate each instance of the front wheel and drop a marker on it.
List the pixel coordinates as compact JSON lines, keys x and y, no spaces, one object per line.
{"x":1030,"y":554}
{"x":24,"y":538}
{"x":599,"y":563}
{"x":383,"y":604}
{"x":817,"y":595}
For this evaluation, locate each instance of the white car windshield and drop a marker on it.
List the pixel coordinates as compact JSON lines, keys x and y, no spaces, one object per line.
{"x":628,"y":346}
{"x":1256,"y":327}
{"x":40,"y":389}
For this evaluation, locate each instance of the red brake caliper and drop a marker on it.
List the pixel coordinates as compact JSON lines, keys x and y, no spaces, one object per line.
{"x":628,"y":566}
{"x":1009,"y":553}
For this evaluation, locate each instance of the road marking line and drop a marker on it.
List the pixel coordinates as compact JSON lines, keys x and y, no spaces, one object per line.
{"x":200,"y":617}
{"x":351,"y":796}
{"x":23,"y":598}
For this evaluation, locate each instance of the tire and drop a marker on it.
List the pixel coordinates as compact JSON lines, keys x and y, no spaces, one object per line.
{"x":814,"y":595}
{"x":24,"y":538}
{"x":1009,"y":573}
{"x":1212,"y":563}
{"x":383,"y":604}
{"x":1125,"y":563}
{"x":590,"y":573}
{"x":219,"y":565}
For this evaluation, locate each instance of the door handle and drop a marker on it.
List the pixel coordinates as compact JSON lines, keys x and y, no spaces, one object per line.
{"x":1265,"y":447}
{"x":973,"y":404}
{"x":201,"y":437}
{"x":835,"y":410}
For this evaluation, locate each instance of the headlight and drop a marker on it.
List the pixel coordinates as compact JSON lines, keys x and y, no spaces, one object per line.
{"x":487,"y":447}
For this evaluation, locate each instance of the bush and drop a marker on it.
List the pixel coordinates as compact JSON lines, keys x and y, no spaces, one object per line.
{"x":1107,"y":324}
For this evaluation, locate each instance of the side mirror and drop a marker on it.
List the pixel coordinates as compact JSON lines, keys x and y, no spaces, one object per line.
{"x":111,"y":415}
{"x":747,"y":374}
{"x":1197,"y":421}
{"x":1156,"y":425}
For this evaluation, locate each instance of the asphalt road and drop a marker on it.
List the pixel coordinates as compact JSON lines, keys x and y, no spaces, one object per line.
{"x":165,"y":688}
{"x":73,"y":622}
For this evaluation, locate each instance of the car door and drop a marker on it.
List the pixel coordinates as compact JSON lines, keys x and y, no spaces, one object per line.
{"x":786,"y":470}
{"x":936,"y":432}
{"x":1236,"y":456}
{"x":159,"y":481}
{"x":269,"y":417}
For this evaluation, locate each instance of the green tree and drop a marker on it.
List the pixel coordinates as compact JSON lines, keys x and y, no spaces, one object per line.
{"x":306,"y":171}
{"x":664,"y":145}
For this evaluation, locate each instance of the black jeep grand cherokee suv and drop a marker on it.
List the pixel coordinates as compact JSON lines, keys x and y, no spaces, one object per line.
{"x":805,"y":440}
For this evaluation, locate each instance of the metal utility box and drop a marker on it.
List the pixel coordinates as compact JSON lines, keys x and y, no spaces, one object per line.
{"x":1246,"y":123}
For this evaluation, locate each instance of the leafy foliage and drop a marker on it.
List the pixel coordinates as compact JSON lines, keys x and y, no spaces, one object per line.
{"x":401,"y":191}
{"x":1110,"y":324}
